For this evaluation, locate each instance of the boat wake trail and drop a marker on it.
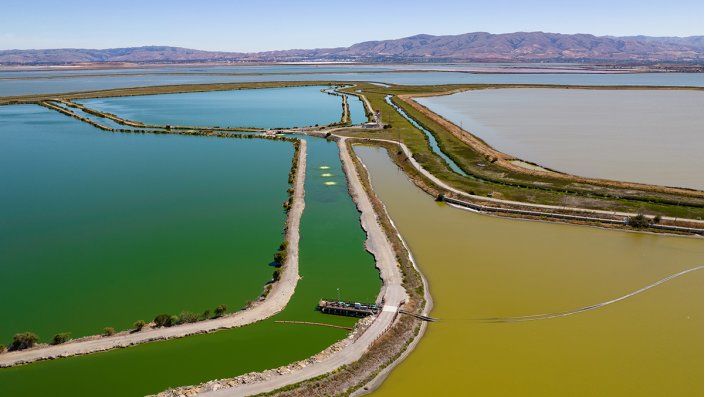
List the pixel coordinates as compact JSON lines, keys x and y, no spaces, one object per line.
{"x":546,"y":316}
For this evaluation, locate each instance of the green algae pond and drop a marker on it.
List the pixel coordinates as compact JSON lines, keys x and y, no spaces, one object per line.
{"x":332,"y":256}
{"x":260,"y":108}
{"x":481,"y":266}
{"x":100,"y":229}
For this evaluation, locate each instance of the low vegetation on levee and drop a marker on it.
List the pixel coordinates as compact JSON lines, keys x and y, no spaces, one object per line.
{"x":26,"y":340}
{"x":23,"y":340}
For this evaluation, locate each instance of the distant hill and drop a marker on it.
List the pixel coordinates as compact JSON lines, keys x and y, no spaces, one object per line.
{"x":534,"y":46}
{"x":151,"y":54}
{"x":479,"y":46}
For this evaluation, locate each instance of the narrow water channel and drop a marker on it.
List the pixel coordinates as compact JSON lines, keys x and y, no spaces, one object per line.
{"x":357,"y":110}
{"x":480,"y":266}
{"x":431,"y":139}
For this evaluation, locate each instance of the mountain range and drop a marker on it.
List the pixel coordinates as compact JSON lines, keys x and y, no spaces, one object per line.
{"x":477,"y":47}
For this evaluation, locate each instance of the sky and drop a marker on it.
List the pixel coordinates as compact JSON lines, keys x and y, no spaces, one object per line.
{"x":249,"y":26}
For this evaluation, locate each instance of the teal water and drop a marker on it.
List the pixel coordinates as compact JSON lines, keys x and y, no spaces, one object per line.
{"x":357,"y":110}
{"x":261,"y":108}
{"x":331,"y":256}
{"x":60,"y":85}
{"x":113,"y":124}
{"x":431,"y":139}
{"x":100,"y":229}
{"x":100,"y":120}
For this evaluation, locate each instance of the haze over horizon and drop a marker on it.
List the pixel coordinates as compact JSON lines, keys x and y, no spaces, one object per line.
{"x":280,"y":25}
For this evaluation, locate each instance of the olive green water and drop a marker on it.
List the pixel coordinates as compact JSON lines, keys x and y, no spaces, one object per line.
{"x":481,"y":266}
{"x":331,"y":256}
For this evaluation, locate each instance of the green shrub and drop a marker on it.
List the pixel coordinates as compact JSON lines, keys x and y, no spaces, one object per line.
{"x":276,"y":274}
{"x":23,"y":340}
{"x":638,"y":221}
{"x":280,"y":257}
{"x":163,"y":320}
{"x":188,"y":317}
{"x":220,"y":310}
{"x":60,"y":338}
{"x":139,"y":324}
{"x":108,"y":331}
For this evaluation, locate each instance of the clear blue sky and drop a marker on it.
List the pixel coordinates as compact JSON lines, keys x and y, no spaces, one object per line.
{"x":278,"y":24}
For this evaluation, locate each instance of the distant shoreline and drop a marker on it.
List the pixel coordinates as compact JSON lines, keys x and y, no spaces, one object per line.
{"x":512,"y":66}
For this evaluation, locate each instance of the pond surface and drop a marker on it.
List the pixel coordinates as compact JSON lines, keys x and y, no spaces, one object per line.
{"x":100,"y":229}
{"x":648,"y":136}
{"x":332,"y":256}
{"x":260,"y":108}
{"x":481,"y":266}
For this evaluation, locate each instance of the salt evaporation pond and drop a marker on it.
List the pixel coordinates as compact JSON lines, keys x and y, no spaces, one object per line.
{"x":260,"y":108}
{"x":100,"y":229}
{"x":648,"y":136}
{"x":481,"y":266}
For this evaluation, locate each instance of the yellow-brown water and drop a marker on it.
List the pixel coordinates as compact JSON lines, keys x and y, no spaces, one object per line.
{"x":481,"y":266}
